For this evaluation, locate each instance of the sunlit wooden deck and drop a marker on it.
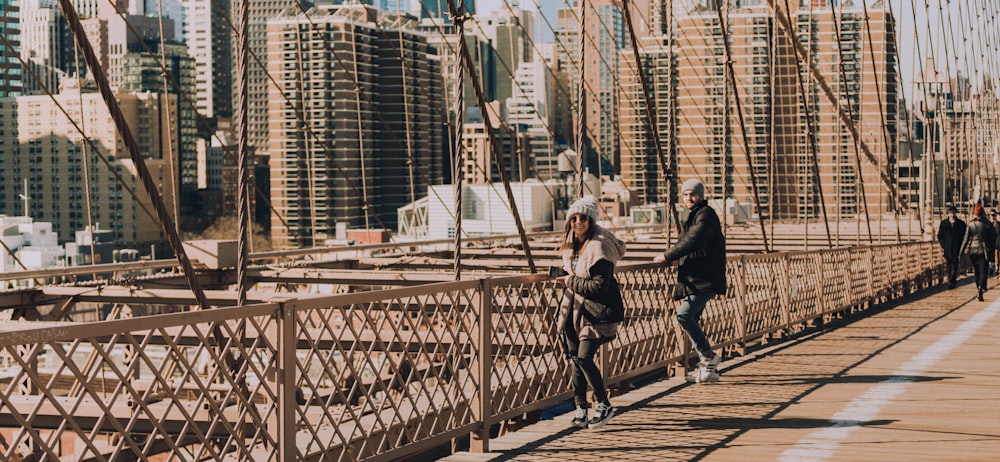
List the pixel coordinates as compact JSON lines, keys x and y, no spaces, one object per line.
{"x":917,"y":380}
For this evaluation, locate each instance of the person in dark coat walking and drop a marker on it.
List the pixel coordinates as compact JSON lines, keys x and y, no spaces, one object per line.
{"x":995,"y":258}
{"x":951,"y":232}
{"x":980,"y":237}
{"x":701,"y":273}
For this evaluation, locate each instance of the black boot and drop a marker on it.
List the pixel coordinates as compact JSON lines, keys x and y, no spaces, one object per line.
{"x":980,"y":294}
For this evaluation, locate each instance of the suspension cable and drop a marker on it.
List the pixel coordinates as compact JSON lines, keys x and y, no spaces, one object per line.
{"x":495,"y":148}
{"x":724,"y":26}
{"x":133,"y":149}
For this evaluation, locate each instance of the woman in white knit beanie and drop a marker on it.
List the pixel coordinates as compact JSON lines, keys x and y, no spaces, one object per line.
{"x":591,"y":307}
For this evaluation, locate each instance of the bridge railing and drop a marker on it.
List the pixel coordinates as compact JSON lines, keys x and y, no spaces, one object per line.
{"x":385,"y":374}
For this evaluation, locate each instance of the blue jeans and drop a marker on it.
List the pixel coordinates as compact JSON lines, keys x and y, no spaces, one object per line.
{"x":689,"y":317}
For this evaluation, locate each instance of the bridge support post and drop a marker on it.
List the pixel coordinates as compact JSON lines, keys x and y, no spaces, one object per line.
{"x":483,"y":407}
{"x":281,"y":424}
{"x":27,"y":386}
{"x":741,"y":288}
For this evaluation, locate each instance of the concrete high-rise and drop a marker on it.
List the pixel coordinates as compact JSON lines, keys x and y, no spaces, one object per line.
{"x":257,"y":80}
{"x":530,"y":107}
{"x":50,"y":155}
{"x":209,"y":42}
{"x":10,"y":67}
{"x":790,"y":177}
{"x":510,"y":32}
{"x":593,"y":43}
{"x":340,"y":156}
{"x":441,"y":35}
{"x":46,"y":45}
{"x":513,"y":147}
{"x":142,"y":72}
{"x":642,"y":167}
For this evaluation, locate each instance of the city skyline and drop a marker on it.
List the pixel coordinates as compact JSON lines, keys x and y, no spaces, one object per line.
{"x":501,"y":45}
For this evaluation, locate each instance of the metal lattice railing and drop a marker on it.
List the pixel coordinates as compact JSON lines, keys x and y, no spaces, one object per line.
{"x":381,"y":375}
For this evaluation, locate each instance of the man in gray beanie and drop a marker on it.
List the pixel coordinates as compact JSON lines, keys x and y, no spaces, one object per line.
{"x":701,"y":273}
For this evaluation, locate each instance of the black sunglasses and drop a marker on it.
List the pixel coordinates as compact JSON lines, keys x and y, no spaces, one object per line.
{"x":580,"y":218}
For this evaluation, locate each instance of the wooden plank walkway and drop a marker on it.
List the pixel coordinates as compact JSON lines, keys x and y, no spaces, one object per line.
{"x":916,"y":381}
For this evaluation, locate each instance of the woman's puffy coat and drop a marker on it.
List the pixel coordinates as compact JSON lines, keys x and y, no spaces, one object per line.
{"x":592,"y":278}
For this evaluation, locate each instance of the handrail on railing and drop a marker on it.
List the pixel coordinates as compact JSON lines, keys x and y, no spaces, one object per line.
{"x":386,"y":374}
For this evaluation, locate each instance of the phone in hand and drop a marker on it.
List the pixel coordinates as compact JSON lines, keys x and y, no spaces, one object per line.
{"x":556,"y":271}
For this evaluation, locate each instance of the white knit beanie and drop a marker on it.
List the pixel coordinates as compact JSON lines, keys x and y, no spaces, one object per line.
{"x":694,"y":185}
{"x":586,"y":205}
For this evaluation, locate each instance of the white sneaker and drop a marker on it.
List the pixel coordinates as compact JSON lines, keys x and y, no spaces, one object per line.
{"x":580,"y":418}
{"x":708,"y":370}
{"x":602,"y":414}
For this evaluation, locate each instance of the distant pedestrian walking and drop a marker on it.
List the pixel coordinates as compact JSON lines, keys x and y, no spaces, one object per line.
{"x":701,"y":273}
{"x":592,"y":305}
{"x":951,"y":232}
{"x":979,"y":242}
{"x":995,"y":258}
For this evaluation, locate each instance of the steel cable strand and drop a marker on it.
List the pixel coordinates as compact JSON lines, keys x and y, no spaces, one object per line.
{"x":469,"y":68}
{"x":811,"y":131}
{"x":845,"y":88}
{"x":786,"y":22}
{"x":724,"y":26}
{"x":130,"y":143}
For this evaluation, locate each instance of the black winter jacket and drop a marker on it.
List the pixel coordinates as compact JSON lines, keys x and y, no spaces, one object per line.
{"x":979,"y":238}
{"x":950,"y":237}
{"x":701,"y":251}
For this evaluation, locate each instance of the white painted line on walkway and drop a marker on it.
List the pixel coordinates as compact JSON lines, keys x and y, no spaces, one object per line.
{"x":822,"y":443}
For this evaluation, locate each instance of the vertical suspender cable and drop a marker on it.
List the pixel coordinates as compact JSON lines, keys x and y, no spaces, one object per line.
{"x":458,"y":17}
{"x":133,"y":149}
{"x":581,"y":117}
{"x":651,"y":119}
{"x":881,"y":111}
{"x":361,"y":130}
{"x":811,"y":133}
{"x":242,"y":141}
{"x":842,"y":72}
{"x":310,"y":152}
{"x":494,"y":145}
{"x":174,"y":167}
{"x":723,"y":25}
{"x":86,"y":154}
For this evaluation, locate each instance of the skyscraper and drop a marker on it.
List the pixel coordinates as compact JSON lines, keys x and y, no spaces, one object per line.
{"x":208,"y":37}
{"x":46,"y":45}
{"x":792,"y":171}
{"x":340,"y":155}
{"x":10,"y":67}
{"x":512,"y":39}
{"x":593,"y":43}
{"x":642,"y":169}
{"x":439,"y":8}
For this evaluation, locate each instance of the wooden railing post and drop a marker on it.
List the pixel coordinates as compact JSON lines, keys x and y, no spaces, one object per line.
{"x":483,"y":406}
{"x":281,"y":425}
{"x":741,"y":287}
{"x":27,"y":386}
{"x":821,"y":286}
{"x":786,"y":295}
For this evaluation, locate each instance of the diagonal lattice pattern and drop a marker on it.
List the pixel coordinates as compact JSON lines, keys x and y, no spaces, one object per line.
{"x":191,"y":384}
{"x":381,"y":374}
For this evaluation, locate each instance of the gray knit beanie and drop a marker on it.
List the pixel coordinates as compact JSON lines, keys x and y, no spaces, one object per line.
{"x":694,"y":185}
{"x":586,"y":205}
